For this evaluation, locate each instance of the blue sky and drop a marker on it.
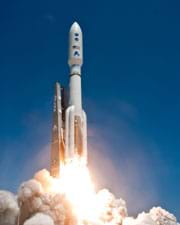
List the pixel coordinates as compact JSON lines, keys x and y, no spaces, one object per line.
{"x":130,"y":93}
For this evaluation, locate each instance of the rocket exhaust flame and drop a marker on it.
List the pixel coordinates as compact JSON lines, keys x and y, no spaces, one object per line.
{"x":72,"y":199}
{"x":75,"y":179}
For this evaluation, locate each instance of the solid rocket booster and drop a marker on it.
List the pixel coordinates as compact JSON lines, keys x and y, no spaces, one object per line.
{"x":57,"y":152}
{"x":69,"y":132}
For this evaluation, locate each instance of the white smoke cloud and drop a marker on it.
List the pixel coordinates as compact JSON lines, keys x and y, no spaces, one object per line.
{"x":112,"y":210}
{"x":162,"y":217}
{"x":156,"y":216}
{"x":36,"y":204}
{"x":34,"y":197}
{"x":39,"y":219}
{"x":9,"y":209}
{"x":44,"y":178}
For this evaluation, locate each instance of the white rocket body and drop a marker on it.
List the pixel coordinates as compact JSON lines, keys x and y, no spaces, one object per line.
{"x":69,"y":133}
{"x":75,"y":125}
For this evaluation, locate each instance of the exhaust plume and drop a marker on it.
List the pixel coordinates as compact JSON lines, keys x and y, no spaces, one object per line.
{"x":39,"y":219}
{"x":40,"y":201}
{"x":9,"y":209}
{"x":156,"y":216}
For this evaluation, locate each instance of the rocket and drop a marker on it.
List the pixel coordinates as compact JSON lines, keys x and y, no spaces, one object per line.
{"x":69,"y":130}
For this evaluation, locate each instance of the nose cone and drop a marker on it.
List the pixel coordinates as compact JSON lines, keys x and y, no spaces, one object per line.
{"x":75,"y":45}
{"x":75,"y":28}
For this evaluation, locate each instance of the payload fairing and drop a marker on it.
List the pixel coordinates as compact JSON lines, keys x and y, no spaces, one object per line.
{"x":69,"y":132}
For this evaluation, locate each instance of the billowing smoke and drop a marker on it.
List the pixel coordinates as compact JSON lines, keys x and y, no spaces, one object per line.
{"x":38,"y":204}
{"x":39,"y":219}
{"x":9,"y":209}
{"x":156,"y":216}
{"x":34,"y":196}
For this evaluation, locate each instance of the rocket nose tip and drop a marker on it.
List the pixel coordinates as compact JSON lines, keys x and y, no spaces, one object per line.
{"x":57,"y":85}
{"x":75,"y":27}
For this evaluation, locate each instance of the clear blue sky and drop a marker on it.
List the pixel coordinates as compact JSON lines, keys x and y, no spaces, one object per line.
{"x":130,"y":90}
